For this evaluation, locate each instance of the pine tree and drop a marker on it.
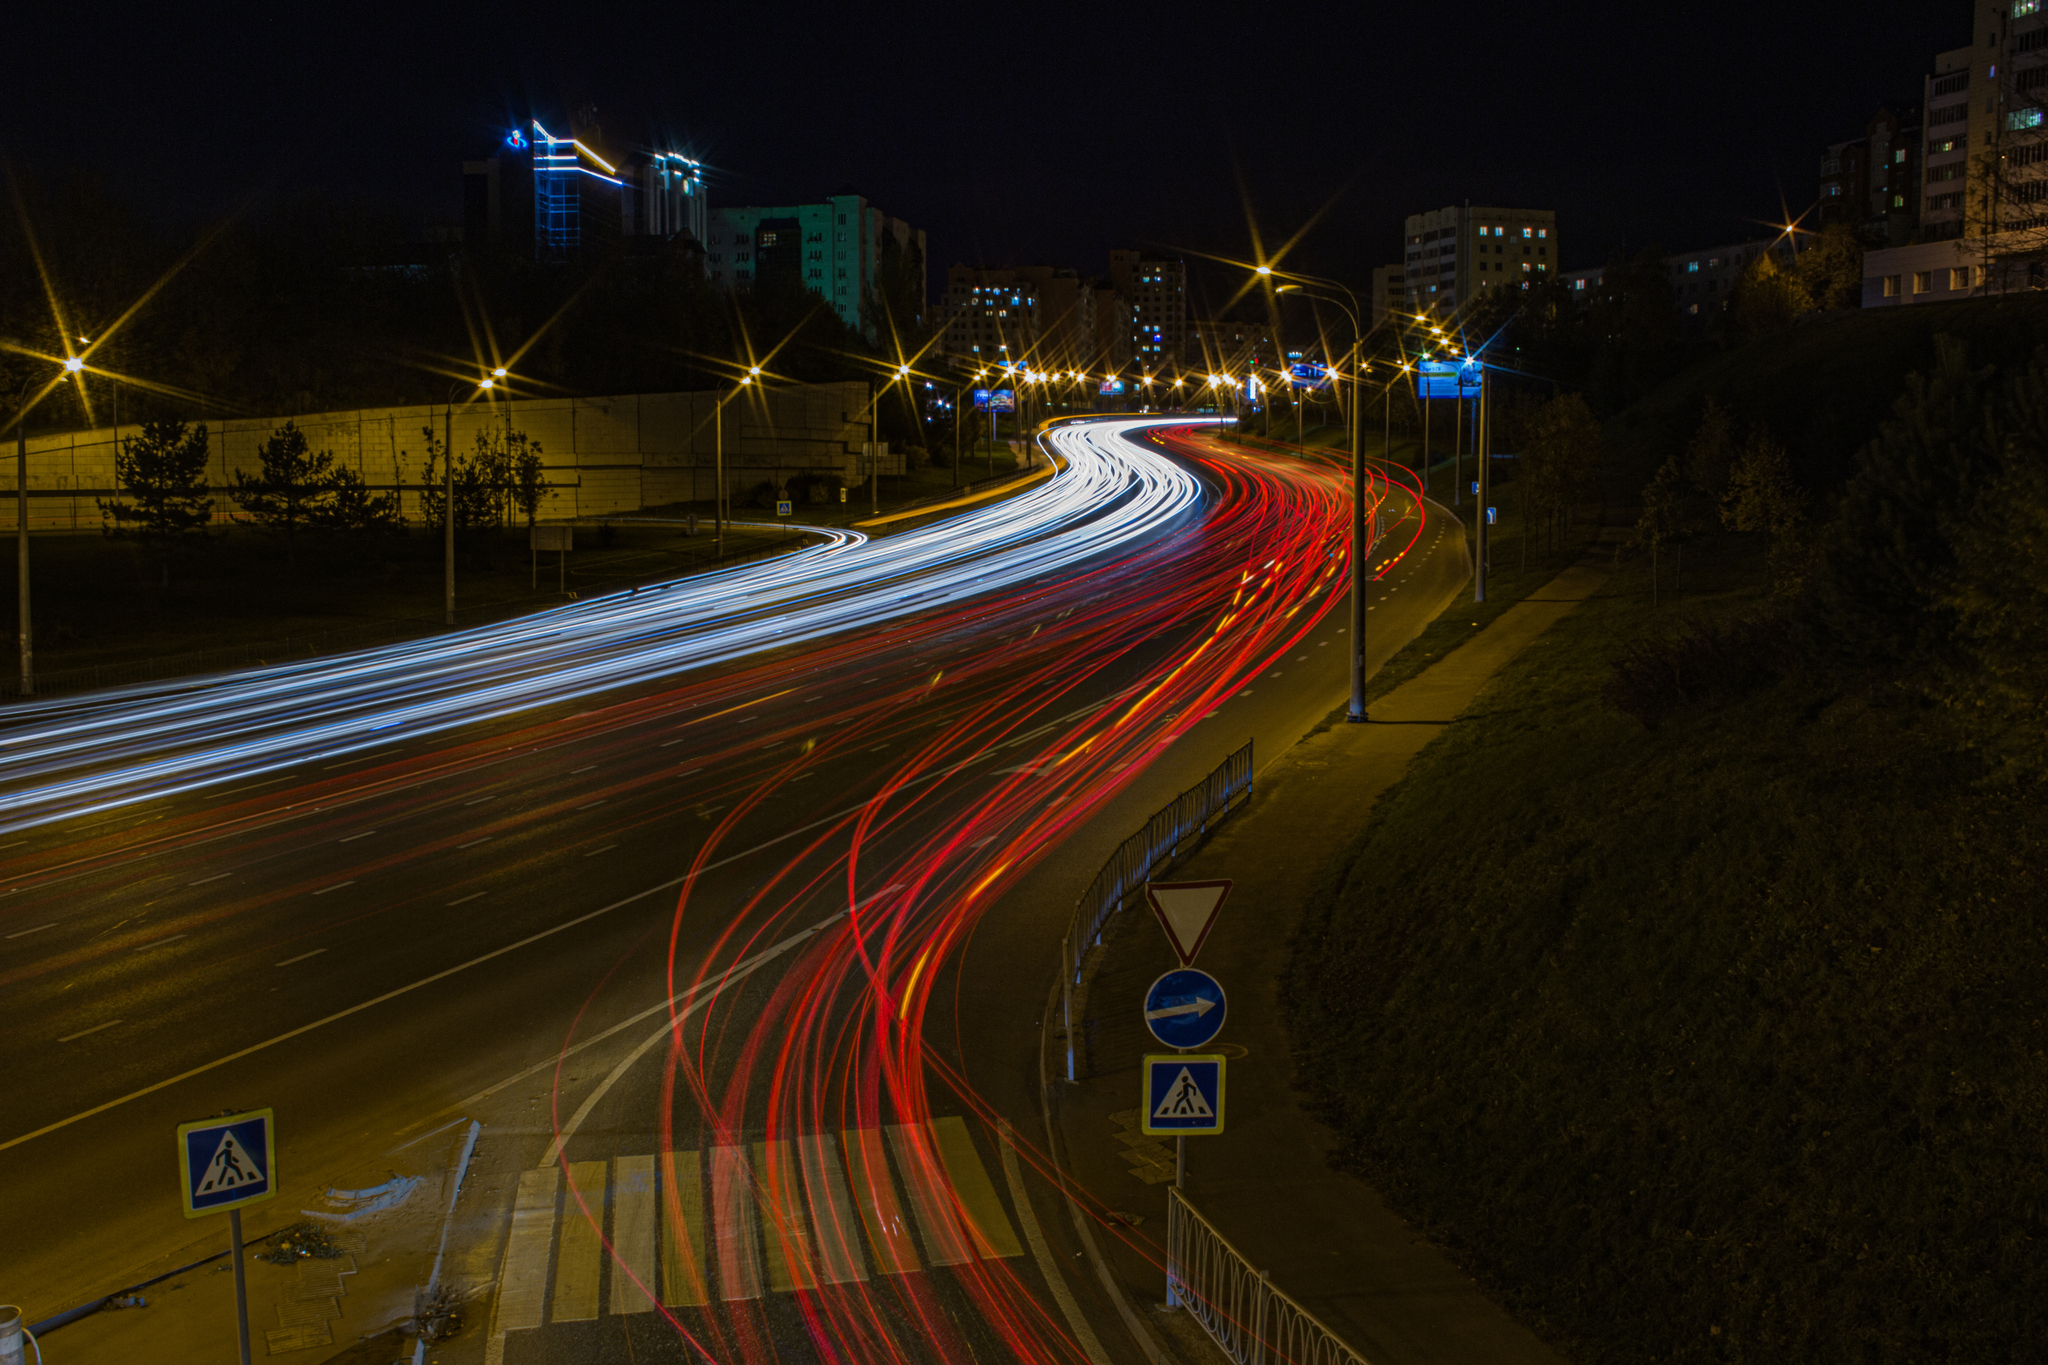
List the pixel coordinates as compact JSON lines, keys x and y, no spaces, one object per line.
{"x":163,"y":473}
{"x":295,"y":486}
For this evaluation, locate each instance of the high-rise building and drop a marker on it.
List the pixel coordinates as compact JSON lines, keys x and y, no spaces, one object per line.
{"x":1872,"y":182}
{"x":1389,"y":291}
{"x":563,"y":199}
{"x":1157,"y":291}
{"x":1042,"y":316}
{"x":1452,"y":254}
{"x":1945,"y":151}
{"x":833,"y":248}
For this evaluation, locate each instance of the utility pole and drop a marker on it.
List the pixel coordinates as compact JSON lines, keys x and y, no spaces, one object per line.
{"x":718,"y":480}
{"x":1479,"y":513}
{"x":448,"y":505}
{"x":1361,"y":547}
{"x":28,"y":670}
{"x":874,"y":450}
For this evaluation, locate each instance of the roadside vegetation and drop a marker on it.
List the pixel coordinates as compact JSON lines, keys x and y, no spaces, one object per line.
{"x":1693,"y":991}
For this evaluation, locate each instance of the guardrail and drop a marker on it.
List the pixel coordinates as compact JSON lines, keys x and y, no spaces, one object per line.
{"x":1251,"y":1321}
{"x":1184,"y":821}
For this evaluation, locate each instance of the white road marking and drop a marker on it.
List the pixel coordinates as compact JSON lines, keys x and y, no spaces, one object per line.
{"x":353,"y":837}
{"x":480,"y":800}
{"x":145,"y":947}
{"x":474,"y":842}
{"x":336,"y":887}
{"x":301,"y":957}
{"x":584,"y":769}
{"x":214,"y":878}
{"x":72,"y":1037}
{"x":595,"y":851}
{"x":470,"y":897}
{"x":23,"y":933}
{"x":595,"y":804}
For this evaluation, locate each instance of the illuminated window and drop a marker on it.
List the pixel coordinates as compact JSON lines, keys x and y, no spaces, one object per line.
{"x":1528,"y":232}
{"x":1898,"y":156}
{"x":2022,"y":8}
{"x":1959,"y":277}
{"x":1923,"y":281}
{"x":1891,"y":286}
{"x":1542,"y":232}
{"x":2022,"y":118}
{"x":1898,"y":201}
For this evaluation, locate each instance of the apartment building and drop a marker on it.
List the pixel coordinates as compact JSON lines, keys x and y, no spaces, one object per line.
{"x":1452,"y":254}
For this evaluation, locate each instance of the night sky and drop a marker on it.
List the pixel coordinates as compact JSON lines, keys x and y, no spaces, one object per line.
{"x":1012,"y":134}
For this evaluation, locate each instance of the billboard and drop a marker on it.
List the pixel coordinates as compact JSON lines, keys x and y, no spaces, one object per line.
{"x":1309,"y":374}
{"x":995,"y":400}
{"x":1112,"y":388}
{"x":1446,"y":379}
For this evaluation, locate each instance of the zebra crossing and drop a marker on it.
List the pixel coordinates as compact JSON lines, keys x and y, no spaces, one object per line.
{"x":690,"y":1229}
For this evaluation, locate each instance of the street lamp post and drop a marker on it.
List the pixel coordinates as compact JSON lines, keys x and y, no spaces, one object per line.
{"x":26,"y":633}
{"x":718,"y":462}
{"x":1361,"y":550}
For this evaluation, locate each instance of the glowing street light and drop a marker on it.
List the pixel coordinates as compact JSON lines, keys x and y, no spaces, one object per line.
{"x":74,"y":364}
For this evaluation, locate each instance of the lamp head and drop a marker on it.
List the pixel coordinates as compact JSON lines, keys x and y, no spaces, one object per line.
{"x":74,"y":364}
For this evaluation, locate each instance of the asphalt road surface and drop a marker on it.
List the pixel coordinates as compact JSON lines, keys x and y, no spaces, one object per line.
{"x":729,"y":912}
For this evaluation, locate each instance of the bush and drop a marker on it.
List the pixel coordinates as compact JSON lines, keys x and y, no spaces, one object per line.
{"x":1702,"y":659}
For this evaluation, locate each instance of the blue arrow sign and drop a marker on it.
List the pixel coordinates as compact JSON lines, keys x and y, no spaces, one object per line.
{"x":227,"y":1162}
{"x":1183,"y":1094}
{"x":1185,"y":1008}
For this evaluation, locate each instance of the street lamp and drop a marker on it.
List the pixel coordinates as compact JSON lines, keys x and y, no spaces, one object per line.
{"x":718,"y":495}
{"x":1360,"y":549}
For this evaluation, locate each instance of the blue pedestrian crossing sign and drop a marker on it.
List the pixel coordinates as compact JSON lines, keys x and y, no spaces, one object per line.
{"x":227,"y":1162}
{"x":1185,"y":1008}
{"x":1183,"y":1094}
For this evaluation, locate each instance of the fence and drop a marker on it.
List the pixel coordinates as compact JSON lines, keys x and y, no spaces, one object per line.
{"x":1184,"y":821}
{"x":1252,"y":1321}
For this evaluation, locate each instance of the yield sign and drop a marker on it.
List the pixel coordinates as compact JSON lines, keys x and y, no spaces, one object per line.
{"x":1186,"y":911}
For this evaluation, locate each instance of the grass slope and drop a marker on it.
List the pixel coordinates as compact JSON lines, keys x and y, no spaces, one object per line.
{"x":1719,"y":1043}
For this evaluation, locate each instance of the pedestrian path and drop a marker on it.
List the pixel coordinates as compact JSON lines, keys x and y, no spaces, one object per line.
{"x":725,"y":1224}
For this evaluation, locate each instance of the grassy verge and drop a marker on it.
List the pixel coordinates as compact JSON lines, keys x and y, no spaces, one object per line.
{"x":1720,"y":1042}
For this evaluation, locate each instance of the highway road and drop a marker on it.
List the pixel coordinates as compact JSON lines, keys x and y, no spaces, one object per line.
{"x":728,"y":910}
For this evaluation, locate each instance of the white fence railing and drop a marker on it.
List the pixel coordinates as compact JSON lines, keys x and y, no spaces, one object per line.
{"x":1254,"y":1323}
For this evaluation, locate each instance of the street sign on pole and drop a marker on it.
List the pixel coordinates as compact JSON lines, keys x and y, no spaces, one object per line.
{"x":783,"y":507}
{"x":1183,"y":1094}
{"x":227,"y":1162}
{"x":224,"y":1163}
{"x":1185,"y":1008}
{"x":1187,"y":912}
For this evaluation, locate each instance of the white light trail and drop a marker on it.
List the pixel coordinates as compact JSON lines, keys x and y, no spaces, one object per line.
{"x":101,"y":751}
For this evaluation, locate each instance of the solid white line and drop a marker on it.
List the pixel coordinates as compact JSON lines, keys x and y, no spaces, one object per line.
{"x":470,"y":897}
{"x":393,"y":994}
{"x":595,"y":804}
{"x":143,"y":948}
{"x":214,"y":878}
{"x":584,"y":769}
{"x":22,"y":933}
{"x":94,"y":1029}
{"x":480,"y":800}
{"x":336,"y":887}
{"x":1041,"y":1253}
{"x":301,"y":957}
{"x":474,"y":842}
{"x":353,"y":837}
{"x":595,"y":851}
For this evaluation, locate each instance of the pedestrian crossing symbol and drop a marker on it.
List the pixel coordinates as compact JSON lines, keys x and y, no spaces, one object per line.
{"x":1183,"y":1094}
{"x":227,"y":1162}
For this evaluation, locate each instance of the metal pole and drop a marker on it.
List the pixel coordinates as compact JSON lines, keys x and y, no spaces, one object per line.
{"x":448,"y":508}
{"x":1426,"y":406}
{"x":241,"y":1281}
{"x":28,"y":653}
{"x":1360,"y":550}
{"x":1457,"y":442}
{"x":718,"y":480}
{"x":1180,"y":1163}
{"x":1481,"y":457}
{"x":874,"y":451}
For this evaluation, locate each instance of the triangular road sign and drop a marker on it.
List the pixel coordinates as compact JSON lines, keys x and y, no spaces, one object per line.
{"x":230,"y":1168}
{"x":1183,"y":1100}
{"x":1186,"y":911}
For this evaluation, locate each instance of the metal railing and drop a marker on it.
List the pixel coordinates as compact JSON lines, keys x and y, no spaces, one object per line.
{"x":1252,"y":1322}
{"x":1182,"y":824}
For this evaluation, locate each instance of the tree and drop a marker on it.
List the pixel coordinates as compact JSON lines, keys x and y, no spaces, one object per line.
{"x":1559,"y":457}
{"x":1674,"y":513}
{"x":164,"y":471}
{"x":500,"y":476}
{"x":1830,"y":269}
{"x":1762,"y":496}
{"x":1711,"y":453}
{"x":351,"y":509}
{"x":1768,"y":296}
{"x":289,"y":493}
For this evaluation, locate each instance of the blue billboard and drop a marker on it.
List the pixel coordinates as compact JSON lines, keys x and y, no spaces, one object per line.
{"x":1112,"y":388}
{"x":1309,"y":374}
{"x":1447,"y":379}
{"x":995,"y":400}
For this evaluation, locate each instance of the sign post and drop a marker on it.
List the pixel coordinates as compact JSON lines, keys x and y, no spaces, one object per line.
{"x":224,"y":1163}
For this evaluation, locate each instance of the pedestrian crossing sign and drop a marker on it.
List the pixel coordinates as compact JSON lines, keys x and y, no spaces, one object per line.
{"x":1183,"y":1094}
{"x":227,"y":1162}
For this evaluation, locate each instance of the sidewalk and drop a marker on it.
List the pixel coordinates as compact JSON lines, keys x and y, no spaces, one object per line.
{"x":1326,"y":1239}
